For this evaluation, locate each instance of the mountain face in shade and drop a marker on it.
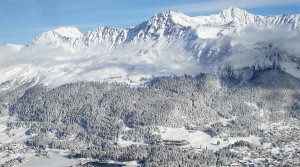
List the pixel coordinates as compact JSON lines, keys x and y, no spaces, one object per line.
{"x":170,"y":43}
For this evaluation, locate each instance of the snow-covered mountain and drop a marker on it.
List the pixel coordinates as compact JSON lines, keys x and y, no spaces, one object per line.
{"x":170,"y":43}
{"x":65,"y":36}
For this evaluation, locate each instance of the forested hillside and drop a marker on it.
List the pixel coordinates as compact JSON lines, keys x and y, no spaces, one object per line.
{"x":92,"y":119}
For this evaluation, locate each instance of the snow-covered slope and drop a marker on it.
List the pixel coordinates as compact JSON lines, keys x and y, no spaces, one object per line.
{"x":64,"y":36}
{"x":169,"y":43}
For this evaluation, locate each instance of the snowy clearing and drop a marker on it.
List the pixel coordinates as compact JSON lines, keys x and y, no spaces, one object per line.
{"x":55,"y":160}
{"x":199,"y":139}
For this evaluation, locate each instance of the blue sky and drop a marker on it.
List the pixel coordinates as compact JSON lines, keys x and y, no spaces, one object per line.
{"x":23,"y":20}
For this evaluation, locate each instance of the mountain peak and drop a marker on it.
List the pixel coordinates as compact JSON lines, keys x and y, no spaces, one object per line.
{"x":169,"y":14}
{"x":233,"y":9}
{"x":57,"y":36}
{"x":168,"y":17}
{"x":233,"y":12}
{"x":67,"y":32}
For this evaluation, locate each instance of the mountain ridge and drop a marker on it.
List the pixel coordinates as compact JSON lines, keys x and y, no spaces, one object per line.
{"x":169,"y":43}
{"x":231,"y":17}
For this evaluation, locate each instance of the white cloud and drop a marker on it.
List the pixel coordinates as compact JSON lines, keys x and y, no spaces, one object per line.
{"x":280,"y":38}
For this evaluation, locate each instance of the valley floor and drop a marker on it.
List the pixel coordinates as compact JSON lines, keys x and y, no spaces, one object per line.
{"x":14,"y":151}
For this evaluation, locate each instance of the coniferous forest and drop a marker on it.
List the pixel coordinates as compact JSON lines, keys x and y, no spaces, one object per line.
{"x":88,"y":119}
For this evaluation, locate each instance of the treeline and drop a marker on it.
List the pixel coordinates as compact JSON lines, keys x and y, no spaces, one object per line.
{"x":162,"y":155}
